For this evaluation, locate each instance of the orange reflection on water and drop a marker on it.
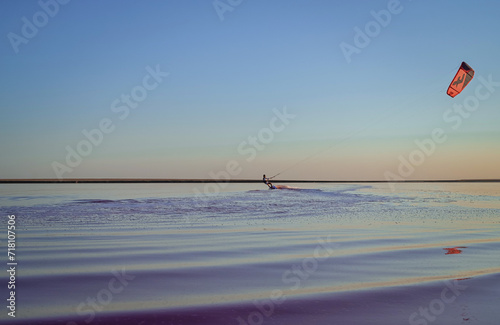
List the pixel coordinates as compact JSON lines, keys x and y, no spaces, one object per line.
{"x":454,"y":250}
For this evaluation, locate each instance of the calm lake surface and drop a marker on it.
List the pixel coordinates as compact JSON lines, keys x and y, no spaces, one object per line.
{"x":316,"y":253}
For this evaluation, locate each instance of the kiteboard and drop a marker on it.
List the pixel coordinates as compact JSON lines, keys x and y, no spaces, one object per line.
{"x":283,"y":187}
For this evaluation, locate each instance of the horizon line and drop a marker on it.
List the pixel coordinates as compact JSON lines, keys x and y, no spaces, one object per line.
{"x":187,"y":180}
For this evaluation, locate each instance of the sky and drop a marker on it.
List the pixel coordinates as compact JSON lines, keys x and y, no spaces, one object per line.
{"x":307,"y":89}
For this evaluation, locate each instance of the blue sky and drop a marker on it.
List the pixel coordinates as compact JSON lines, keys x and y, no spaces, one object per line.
{"x":353,"y":120}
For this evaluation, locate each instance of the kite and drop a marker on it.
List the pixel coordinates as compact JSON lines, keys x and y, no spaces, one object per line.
{"x":462,"y":78}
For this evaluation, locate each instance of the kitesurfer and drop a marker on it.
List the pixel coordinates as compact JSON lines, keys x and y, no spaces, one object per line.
{"x":266,"y":181}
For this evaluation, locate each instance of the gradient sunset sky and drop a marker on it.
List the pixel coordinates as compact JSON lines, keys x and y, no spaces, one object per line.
{"x":180,"y":89}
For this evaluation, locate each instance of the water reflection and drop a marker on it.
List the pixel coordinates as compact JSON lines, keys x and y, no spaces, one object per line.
{"x":454,"y":250}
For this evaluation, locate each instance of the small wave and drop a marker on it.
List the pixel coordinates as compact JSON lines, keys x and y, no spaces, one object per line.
{"x":87,"y":201}
{"x":107,"y":201}
{"x":292,"y":188}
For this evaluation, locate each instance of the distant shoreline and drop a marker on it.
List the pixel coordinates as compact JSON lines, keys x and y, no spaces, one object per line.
{"x":170,"y":180}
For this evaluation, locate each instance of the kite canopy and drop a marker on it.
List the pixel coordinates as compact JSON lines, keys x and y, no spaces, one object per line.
{"x":462,"y":78}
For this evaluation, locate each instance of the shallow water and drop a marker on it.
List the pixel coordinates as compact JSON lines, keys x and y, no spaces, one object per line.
{"x":317,"y":253}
